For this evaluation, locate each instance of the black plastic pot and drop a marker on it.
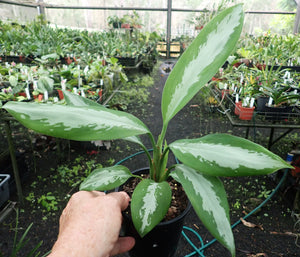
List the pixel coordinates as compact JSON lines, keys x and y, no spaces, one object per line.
{"x":162,"y":241}
{"x":278,"y":113}
{"x":261,"y":104}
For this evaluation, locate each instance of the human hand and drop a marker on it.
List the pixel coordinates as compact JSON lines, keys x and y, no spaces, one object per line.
{"x":90,"y":226}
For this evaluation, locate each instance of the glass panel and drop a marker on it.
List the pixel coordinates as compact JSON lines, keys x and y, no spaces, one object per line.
{"x":17,"y":13}
{"x":111,"y":3}
{"x":98,"y":19}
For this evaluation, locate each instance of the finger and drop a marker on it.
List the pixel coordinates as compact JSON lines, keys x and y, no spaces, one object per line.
{"x":122,"y":198}
{"x":124,"y":244}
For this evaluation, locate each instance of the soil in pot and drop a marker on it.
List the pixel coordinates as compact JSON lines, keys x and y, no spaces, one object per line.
{"x":162,"y":241}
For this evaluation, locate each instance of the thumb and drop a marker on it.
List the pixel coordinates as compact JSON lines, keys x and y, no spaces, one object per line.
{"x":124,"y":244}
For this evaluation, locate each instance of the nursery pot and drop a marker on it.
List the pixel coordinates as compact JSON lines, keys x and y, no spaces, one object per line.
{"x":278,"y":113}
{"x":60,"y":94}
{"x":237,"y":108}
{"x":246,"y":113}
{"x":162,"y":241}
{"x":261,"y":103}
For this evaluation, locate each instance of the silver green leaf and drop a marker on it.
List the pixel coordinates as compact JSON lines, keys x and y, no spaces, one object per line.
{"x":106,"y":178}
{"x":208,"y":198}
{"x":81,"y":123}
{"x":45,"y":84}
{"x":201,"y":60}
{"x":150,"y":203}
{"x":227,"y":155}
{"x":13,"y":80}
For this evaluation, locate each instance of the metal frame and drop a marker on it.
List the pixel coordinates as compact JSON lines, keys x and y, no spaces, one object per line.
{"x":253,"y":124}
{"x":40,"y":5}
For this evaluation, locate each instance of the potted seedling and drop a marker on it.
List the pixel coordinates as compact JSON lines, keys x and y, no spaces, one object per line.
{"x":203,"y":160}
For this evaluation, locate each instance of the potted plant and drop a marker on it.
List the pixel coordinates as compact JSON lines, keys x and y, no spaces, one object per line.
{"x":203,"y":159}
{"x":135,"y":20}
{"x":279,"y":105}
{"x":114,"y":21}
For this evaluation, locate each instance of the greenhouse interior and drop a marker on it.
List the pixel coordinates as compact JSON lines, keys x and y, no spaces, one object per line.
{"x":191,"y":107}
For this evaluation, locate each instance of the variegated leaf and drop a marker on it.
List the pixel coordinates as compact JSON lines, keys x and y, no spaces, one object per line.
{"x":81,"y":123}
{"x":208,"y":197}
{"x":150,"y":203}
{"x":201,"y":60}
{"x":106,"y":178}
{"x":227,"y":155}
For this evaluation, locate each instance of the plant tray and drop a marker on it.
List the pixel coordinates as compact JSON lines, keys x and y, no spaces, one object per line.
{"x":17,"y":59}
{"x":291,"y":68}
{"x":4,"y":188}
{"x":128,"y":61}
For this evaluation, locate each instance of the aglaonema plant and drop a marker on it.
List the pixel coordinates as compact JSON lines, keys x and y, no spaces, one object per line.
{"x":202,"y":160}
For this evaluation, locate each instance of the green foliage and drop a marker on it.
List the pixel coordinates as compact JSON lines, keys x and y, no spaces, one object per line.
{"x":133,"y":92}
{"x":283,"y":24}
{"x":18,"y":244}
{"x":74,"y":173}
{"x":39,"y":39}
{"x":48,"y":201}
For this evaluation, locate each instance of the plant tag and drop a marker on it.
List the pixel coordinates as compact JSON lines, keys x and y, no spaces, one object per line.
{"x":252,"y":102}
{"x":247,"y":100}
{"x":101,"y":82}
{"x":27,"y":93}
{"x":46,"y":95}
{"x":86,"y":69}
{"x":237,"y":98}
{"x":225,"y":86}
{"x":35,"y":85}
{"x":55,"y":99}
{"x":63,"y":84}
{"x":75,"y":90}
{"x":242,"y":79}
{"x":82,"y":93}
{"x":270,"y":101}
